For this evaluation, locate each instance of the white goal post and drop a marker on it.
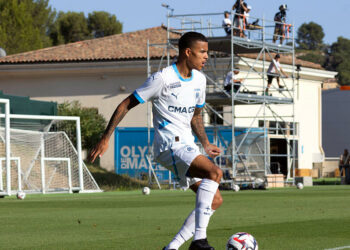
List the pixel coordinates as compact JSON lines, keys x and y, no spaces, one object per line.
{"x":19,"y":171}
{"x":47,"y":160}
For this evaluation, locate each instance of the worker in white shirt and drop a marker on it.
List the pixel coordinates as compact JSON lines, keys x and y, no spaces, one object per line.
{"x":274,"y":70}
{"x":226,"y":23}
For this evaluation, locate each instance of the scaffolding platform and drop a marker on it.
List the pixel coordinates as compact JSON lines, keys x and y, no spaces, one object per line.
{"x":241,"y":45}
{"x":221,"y":98}
{"x":249,"y":52}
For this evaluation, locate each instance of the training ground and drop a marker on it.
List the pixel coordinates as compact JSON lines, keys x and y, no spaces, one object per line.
{"x":312,"y":218}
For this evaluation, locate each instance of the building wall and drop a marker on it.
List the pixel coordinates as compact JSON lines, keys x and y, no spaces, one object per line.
{"x":101,"y":89}
{"x":307,"y":114}
{"x":336,"y":120}
{"x":105,"y":84}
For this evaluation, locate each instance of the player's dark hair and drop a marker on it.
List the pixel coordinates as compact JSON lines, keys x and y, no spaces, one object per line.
{"x":188,"y":39}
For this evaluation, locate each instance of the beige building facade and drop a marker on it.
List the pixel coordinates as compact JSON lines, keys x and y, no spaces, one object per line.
{"x":102,"y":72}
{"x":100,"y":85}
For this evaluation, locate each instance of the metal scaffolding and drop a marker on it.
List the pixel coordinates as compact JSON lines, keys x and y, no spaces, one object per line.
{"x":255,"y":121}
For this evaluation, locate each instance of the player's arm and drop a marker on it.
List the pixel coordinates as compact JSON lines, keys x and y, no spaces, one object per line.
{"x":198,"y":129}
{"x":118,"y":115}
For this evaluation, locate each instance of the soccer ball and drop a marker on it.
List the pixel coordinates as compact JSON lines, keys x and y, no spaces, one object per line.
{"x":240,"y":241}
{"x":300,"y":185}
{"x":146,"y":190}
{"x":236,"y":188}
{"x":21,"y":195}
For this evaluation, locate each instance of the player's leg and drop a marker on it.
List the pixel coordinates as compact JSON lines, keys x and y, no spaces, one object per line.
{"x":188,"y":228}
{"x":217,"y":201}
{"x":202,"y":167}
{"x":186,"y":161}
{"x":186,"y":232}
{"x":178,"y":160}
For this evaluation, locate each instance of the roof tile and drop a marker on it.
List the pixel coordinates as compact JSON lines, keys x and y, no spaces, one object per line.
{"x":126,"y":46}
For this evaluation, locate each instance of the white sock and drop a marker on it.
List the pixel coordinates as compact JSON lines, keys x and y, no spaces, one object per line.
{"x":186,"y":232}
{"x":204,"y":199}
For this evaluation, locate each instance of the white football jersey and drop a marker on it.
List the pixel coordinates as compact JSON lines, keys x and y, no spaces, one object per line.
{"x":174,"y":101}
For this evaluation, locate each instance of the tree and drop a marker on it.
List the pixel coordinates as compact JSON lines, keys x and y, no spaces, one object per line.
{"x":92,"y":123}
{"x":310,"y":36}
{"x":69,"y":27}
{"x":102,"y":24}
{"x":23,"y":25}
{"x":339,"y":60}
{"x":318,"y":57}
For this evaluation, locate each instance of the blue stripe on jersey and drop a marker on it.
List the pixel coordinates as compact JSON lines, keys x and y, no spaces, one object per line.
{"x":178,"y":74}
{"x":138,"y":97}
{"x":163,"y":124}
{"x":200,"y":106}
{"x":174,"y":165}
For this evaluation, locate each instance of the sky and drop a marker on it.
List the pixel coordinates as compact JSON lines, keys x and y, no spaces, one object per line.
{"x":332,"y":15}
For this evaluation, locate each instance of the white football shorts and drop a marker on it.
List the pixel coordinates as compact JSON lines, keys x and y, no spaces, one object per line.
{"x":178,"y":160}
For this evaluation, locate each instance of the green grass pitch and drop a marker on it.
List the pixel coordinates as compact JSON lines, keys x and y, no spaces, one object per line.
{"x":312,"y":218}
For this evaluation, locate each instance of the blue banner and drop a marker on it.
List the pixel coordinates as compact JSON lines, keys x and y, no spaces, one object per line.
{"x":131,"y":148}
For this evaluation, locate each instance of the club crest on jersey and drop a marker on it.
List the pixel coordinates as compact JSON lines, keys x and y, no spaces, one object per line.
{"x":175,"y":85}
{"x":197,"y":92}
{"x":189,"y":149}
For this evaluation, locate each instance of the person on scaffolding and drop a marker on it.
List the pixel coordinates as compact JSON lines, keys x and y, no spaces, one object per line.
{"x":227,"y":24}
{"x":280,"y":20}
{"x":274,"y":70}
{"x":238,"y":22}
{"x":231,"y":79}
{"x":246,"y":19}
{"x":246,"y":14}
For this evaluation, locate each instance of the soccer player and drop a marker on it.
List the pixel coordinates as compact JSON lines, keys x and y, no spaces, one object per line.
{"x":178,"y":96}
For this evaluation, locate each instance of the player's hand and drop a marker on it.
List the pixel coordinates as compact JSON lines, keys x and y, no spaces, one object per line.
{"x":212,"y":150}
{"x":99,"y":150}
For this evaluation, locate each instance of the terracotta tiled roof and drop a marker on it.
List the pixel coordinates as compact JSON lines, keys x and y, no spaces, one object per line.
{"x":126,"y":46}
{"x":131,"y":45}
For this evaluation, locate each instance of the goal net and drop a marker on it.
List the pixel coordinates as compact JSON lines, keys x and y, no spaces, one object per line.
{"x":45,"y":156}
{"x":250,"y":155}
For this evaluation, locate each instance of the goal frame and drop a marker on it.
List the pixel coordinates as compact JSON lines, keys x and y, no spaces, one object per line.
{"x":78,"y":148}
